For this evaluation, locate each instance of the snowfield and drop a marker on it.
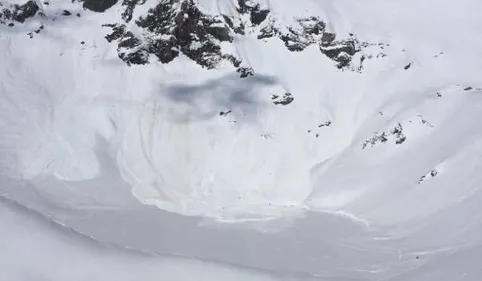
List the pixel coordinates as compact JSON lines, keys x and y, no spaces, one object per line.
{"x":302,"y":171}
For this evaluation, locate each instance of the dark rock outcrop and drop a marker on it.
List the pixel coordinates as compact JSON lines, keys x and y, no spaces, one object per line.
{"x":286,"y":99}
{"x":432,"y":174}
{"x":19,"y":13}
{"x":129,"y":47}
{"x":396,"y":134}
{"x":175,"y":27}
{"x":311,"y":31}
{"x":99,"y":5}
{"x":326,"y":124}
{"x":245,"y":72}
{"x":256,"y":14}
{"x":296,"y":38}
{"x":130,"y":6}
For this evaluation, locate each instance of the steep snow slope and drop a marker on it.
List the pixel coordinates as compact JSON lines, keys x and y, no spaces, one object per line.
{"x":221,"y":110}
{"x":187,"y":139}
{"x":205,"y":142}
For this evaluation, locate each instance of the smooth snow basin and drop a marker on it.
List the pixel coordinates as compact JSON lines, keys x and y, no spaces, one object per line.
{"x":316,"y":246}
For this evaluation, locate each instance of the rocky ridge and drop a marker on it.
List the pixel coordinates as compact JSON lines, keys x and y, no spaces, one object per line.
{"x":17,"y":13}
{"x":175,"y":27}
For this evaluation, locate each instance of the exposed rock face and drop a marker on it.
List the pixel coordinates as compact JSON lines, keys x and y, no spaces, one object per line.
{"x":286,"y":99}
{"x":340,"y":51}
{"x":171,"y":28}
{"x":18,"y":13}
{"x":129,"y":47}
{"x":175,"y":27}
{"x":98,"y":5}
{"x":245,"y":72}
{"x":312,"y":31}
{"x":130,"y":6}
{"x":257,"y":15}
{"x":296,"y":38}
{"x":396,"y":134}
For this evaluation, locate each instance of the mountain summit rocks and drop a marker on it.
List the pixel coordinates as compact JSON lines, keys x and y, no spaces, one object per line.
{"x":175,"y":27}
{"x":181,"y":27}
{"x":98,"y":5}
{"x":18,"y":13}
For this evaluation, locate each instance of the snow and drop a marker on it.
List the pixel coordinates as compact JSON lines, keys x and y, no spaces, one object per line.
{"x":49,"y":252}
{"x":97,"y":153}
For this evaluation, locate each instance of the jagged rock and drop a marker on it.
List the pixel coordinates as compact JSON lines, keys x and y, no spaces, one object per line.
{"x":433,"y":173}
{"x":396,"y":133}
{"x":233,"y":60}
{"x":327,"y":38}
{"x":25,"y":11}
{"x":174,"y":27}
{"x":377,"y":138}
{"x":309,"y":32}
{"x":326,"y":124}
{"x":129,"y":41}
{"x":19,"y":13}
{"x":165,"y":50}
{"x":117,"y":32}
{"x":286,"y":99}
{"x":267,"y":32}
{"x":224,"y":113}
{"x":343,"y":60}
{"x":336,"y":48}
{"x":245,"y":72}
{"x":257,"y":15}
{"x":236,"y":29}
{"x":219,"y":32}
{"x":130,"y":6}
{"x":99,"y":5}
{"x":182,"y":28}
{"x":134,"y":57}
{"x":425,"y":121}
{"x":293,"y":43}
{"x":340,"y":51}
{"x":129,"y":47}
{"x":313,"y":26}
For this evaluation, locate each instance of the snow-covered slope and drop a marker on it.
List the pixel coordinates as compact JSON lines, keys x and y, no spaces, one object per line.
{"x":247,"y":111}
{"x":181,"y":132}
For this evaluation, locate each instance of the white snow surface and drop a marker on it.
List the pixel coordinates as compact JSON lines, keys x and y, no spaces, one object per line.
{"x":94,"y":151}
